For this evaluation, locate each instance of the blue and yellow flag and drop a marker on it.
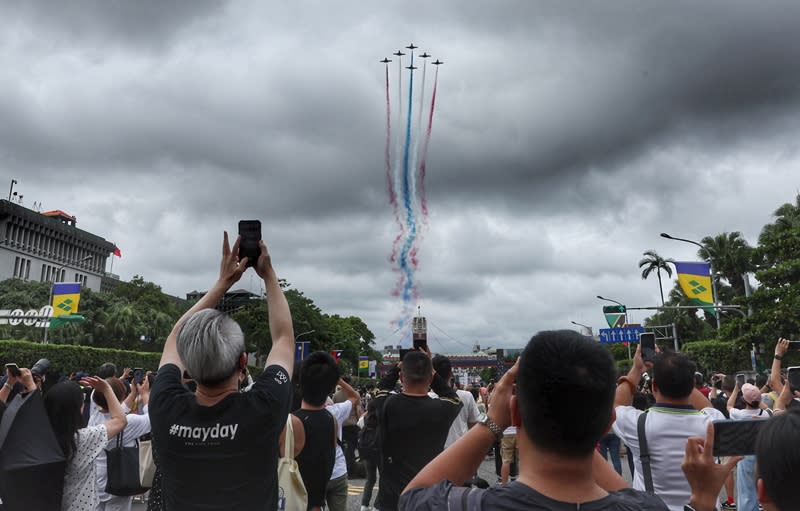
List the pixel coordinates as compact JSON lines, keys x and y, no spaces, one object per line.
{"x":66,"y":296}
{"x":695,"y":281}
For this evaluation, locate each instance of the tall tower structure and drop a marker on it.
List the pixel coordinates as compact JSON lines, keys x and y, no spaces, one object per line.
{"x":420,"y":330}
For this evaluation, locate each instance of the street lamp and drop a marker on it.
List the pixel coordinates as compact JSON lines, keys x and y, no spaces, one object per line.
{"x":587,"y":327}
{"x":52,"y":284}
{"x":304,"y":333}
{"x":710,"y":269}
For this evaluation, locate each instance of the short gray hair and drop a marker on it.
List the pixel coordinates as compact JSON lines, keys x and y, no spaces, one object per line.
{"x":209,"y":344}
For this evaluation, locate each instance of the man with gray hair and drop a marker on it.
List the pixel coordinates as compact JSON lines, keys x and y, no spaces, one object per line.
{"x":218,"y":448}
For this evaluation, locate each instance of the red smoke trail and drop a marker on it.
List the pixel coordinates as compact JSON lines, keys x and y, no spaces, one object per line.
{"x":424,"y":162}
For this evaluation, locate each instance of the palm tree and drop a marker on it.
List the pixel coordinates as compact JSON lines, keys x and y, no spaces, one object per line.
{"x":730,"y":255}
{"x":653,"y":262}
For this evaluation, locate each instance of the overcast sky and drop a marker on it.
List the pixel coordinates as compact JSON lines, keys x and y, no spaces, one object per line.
{"x":566,"y":137}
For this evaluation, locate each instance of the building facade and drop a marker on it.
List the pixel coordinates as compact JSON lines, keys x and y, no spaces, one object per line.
{"x":48,"y":247}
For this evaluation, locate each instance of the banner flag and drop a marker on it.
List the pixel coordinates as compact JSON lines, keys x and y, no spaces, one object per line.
{"x":695,"y":281}
{"x":302,"y":349}
{"x":363,"y":362}
{"x":66,"y":297}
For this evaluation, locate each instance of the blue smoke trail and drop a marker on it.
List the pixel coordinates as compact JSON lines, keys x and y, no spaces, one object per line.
{"x":411,"y":223}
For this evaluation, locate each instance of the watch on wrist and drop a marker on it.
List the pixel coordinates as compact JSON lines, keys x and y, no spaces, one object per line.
{"x":494,"y":428}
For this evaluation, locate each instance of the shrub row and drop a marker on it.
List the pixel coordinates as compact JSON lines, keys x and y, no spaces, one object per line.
{"x":66,"y":358}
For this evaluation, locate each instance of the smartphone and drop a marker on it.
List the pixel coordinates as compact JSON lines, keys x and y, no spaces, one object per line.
{"x":794,"y":345}
{"x":740,"y":379}
{"x":647,"y":340}
{"x":250,"y":231}
{"x":14,"y":370}
{"x":793,"y":375}
{"x":736,"y":437}
{"x":138,"y":375}
{"x":421,"y":343}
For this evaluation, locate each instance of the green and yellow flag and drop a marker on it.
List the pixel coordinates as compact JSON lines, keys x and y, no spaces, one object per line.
{"x":66,"y":297}
{"x":695,"y":281}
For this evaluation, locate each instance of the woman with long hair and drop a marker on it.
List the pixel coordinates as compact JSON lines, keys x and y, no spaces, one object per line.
{"x":64,"y":405}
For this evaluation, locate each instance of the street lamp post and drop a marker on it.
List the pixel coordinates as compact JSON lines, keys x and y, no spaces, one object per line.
{"x":302,"y":334}
{"x":710,"y":269}
{"x":587,"y":327}
{"x":52,"y":284}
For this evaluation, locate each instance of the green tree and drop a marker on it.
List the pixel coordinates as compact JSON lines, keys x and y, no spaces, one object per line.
{"x":731,"y":256}
{"x":776,"y":301}
{"x":689,"y":326}
{"x":652,"y":262}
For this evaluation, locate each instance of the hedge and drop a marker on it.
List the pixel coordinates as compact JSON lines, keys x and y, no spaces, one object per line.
{"x":717,"y":356}
{"x":66,"y":358}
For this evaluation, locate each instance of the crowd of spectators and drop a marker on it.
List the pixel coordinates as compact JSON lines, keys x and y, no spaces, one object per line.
{"x":551,"y":422}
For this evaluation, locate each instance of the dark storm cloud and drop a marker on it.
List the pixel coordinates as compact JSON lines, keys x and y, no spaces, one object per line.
{"x":145,"y":23}
{"x":567,"y":135}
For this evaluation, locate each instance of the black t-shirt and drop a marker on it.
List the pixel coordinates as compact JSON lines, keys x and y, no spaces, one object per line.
{"x":515,"y":496}
{"x":219,"y":457}
{"x":318,"y":456}
{"x":412,"y":431}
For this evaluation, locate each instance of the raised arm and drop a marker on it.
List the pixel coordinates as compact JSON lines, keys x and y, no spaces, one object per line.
{"x":280,"y":318}
{"x":627,"y":384}
{"x":775,"y":374}
{"x":352,"y":394}
{"x":230,"y":271}
{"x":118,"y":421}
{"x":732,"y":399}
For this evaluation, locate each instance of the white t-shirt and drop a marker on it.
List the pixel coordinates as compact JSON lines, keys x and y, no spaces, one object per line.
{"x":340,"y":411}
{"x":667,"y":427}
{"x":740,"y":415}
{"x":79,"y":480}
{"x":137,"y":426}
{"x":466,"y":416}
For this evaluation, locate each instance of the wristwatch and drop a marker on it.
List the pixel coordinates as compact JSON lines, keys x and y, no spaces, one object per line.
{"x":494,"y":428}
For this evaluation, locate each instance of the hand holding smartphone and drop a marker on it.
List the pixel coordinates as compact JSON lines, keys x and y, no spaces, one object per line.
{"x":250,"y":232}
{"x":13,"y":370}
{"x":647,"y":340}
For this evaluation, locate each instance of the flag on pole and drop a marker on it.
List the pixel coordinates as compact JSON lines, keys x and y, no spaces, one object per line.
{"x":117,"y":252}
{"x":66,"y":297}
{"x":301,"y":350}
{"x":695,"y":281}
{"x":363,"y":364}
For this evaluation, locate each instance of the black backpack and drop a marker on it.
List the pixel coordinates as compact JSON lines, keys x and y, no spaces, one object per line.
{"x":368,"y":443}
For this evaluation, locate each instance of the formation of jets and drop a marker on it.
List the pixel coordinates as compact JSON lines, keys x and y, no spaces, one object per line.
{"x":411,"y":47}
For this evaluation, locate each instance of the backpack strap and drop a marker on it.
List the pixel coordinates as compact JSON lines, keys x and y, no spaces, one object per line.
{"x":644,"y":454}
{"x":464,"y":498}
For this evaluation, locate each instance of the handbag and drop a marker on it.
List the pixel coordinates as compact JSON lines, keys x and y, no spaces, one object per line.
{"x":292,"y":495}
{"x":147,"y":466}
{"x":122,"y":465}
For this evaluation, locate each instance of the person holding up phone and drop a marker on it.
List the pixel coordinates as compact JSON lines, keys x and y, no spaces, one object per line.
{"x":218,"y":447}
{"x":746,"y":492}
{"x":680,"y":411}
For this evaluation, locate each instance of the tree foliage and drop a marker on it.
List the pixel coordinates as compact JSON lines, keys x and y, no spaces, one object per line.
{"x":652,"y":262}
{"x":138,"y":310}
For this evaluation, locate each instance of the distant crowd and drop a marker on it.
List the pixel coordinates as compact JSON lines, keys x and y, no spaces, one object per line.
{"x":200,"y":433}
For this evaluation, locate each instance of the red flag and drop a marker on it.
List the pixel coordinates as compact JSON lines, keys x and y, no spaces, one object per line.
{"x":117,"y":252}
